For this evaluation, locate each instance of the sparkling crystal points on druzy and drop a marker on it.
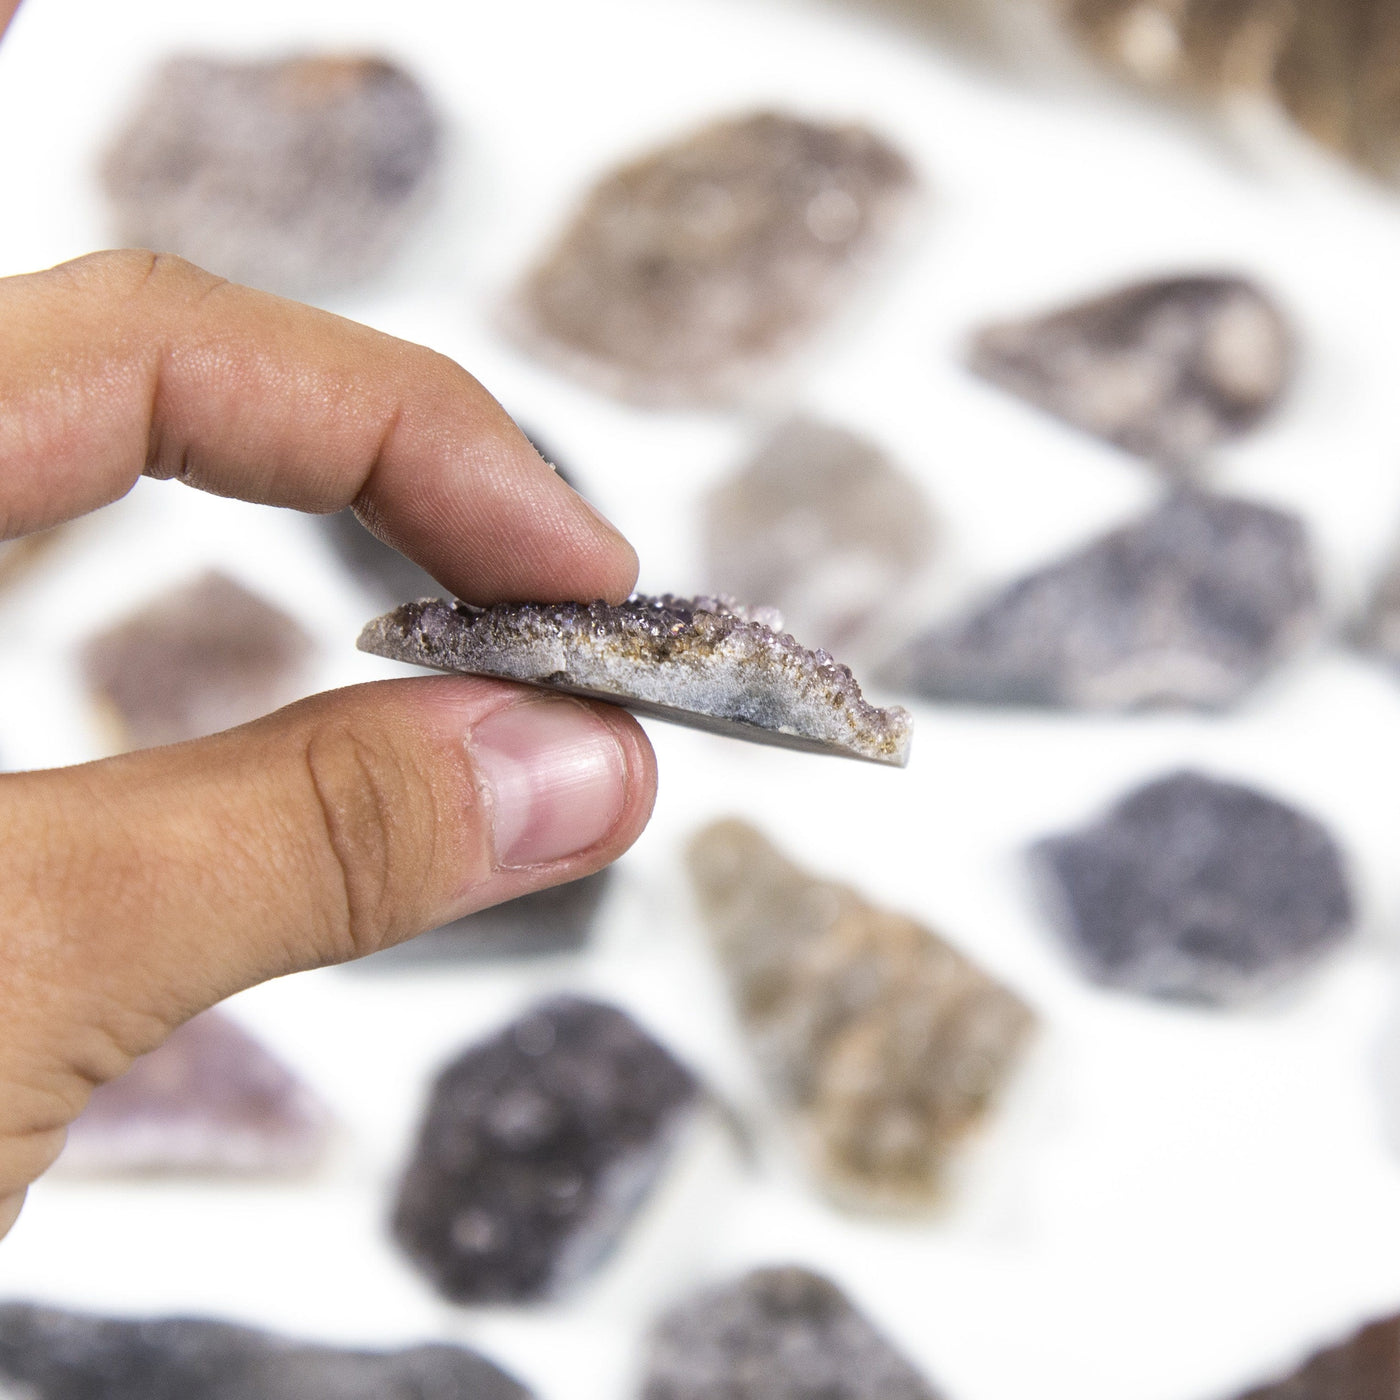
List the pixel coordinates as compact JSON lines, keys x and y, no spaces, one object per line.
{"x":704,"y":662}
{"x":1165,"y":369}
{"x":820,"y":524}
{"x":537,"y":1148}
{"x":1190,"y":605}
{"x":1192,"y":887}
{"x":202,"y":658}
{"x":48,"y":1354}
{"x":1364,"y":1367}
{"x":775,"y":1334}
{"x":884,"y":1042}
{"x":211,"y":1099}
{"x":690,"y":270}
{"x":296,"y":175}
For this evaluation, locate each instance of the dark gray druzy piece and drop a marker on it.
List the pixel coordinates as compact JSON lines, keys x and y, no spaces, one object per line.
{"x":1364,"y":1367}
{"x":1190,"y":605}
{"x":48,"y":1354}
{"x":776,"y":1334}
{"x":1196,"y":888}
{"x":1165,"y":369}
{"x":538,"y":1146}
{"x":299,"y":175}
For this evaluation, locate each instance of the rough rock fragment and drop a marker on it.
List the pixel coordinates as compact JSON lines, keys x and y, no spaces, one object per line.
{"x":691,"y":270}
{"x":1165,"y":369}
{"x":48,"y":1354}
{"x":776,"y":1334}
{"x":823,"y":526}
{"x":195,"y":661}
{"x":704,"y":662}
{"x":299,"y":176}
{"x":1364,"y":1367}
{"x":1191,"y":604}
{"x":885,"y":1043}
{"x":538,"y":1146}
{"x":211,"y":1099}
{"x":1196,"y":888}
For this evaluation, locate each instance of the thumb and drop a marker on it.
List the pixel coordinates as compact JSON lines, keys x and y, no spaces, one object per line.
{"x":136,"y":891}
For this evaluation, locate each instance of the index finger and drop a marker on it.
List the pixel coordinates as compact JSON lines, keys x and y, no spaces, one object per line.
{"x":128,"y":362}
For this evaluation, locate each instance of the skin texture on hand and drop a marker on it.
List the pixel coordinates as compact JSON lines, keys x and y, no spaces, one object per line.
{"x":136,"y":891}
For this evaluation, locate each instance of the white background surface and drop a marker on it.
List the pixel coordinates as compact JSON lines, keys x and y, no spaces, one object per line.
{"x":1176,"y":1202}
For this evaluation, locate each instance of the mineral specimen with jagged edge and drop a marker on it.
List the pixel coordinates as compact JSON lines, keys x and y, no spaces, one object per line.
{"x":1165,"y":369}
{"x":775,"y":1334}
{"x":1196,"y":888}
{"x":704,"y":662}
{"x":1366,"y":1366}
{"x":538,"y":1146}
{"x":885,"y":1044}
{"x":689,"y":272}
{"x":50,"y":1354}
{"x":1190,"y":605}
{"x":299,"y":175}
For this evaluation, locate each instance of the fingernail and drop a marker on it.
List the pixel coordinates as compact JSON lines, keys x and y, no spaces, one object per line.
{"x":555,"y":777}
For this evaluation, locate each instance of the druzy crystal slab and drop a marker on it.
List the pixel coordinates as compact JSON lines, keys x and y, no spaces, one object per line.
{"x":703,"y":662}
{"x":884,"y":1043}
{"x":687,"y":273}
{"x":200,"y":659}
{"x":1364,"y":1367}
{"x":1190,"y":605}
{"x":1196,"y":888}
{"x":298,"y":176}
{"x":538,"y":1146}
{"x":48,"y":1354}
{"x":1166,"y":369}
{"x":211,"y":1099}
{"x":823,"y":526}
{"x":776,"y":1334}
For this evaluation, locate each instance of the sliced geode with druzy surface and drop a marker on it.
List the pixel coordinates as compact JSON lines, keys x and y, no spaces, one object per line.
{"x":1166,"y":369}
{"x":1190,"y":605}
{"x":1364,"y":1367}
{"x":538,"y":1147}
{"x":776,"y":1334}
{"x":704,"y":662}
{"x":49,"y":1354}
{"x":688,"y":272}
{"x":885,"y":1044}
{"x":1196,"y":888}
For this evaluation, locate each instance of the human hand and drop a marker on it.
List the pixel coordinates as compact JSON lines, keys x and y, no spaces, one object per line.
{"x":139,"y":890}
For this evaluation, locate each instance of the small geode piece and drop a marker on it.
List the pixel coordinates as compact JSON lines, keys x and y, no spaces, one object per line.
{"x":1364,"y":1367}
{"x":196,"y":660}
{"x":704,"y":662}
{"x":1165,"y":369}
{"x":1191,"y":604}
{"x":775,"y":1334}
{"x":538,"y":1146}
{"x":822,"y":525}
{"x":299,"y":175}
{"x":1195,"y":888}
{"x":688,"y":272}
{"x":50,"y":1354}
{"x":885,"y":1043}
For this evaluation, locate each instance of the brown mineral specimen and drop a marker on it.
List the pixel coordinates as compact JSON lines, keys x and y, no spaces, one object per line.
{"x":1364,"y":1367}
{"x":822,"y":525}
{"x":18,"y":556}
{"x":206,"y":657}
{"x":692,"y":269}
{"x":886,"y":1044}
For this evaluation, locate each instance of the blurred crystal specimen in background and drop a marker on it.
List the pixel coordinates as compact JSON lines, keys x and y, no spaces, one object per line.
{"x":1196,"y":888}
{"x":195,"y":661}
{"x":1165,"y":369}
{"x":821,"y":525}
{"x":1364,"y":1367}
{"x":538,"y":1147}
{"x":1192,"y":604}
{"x":886,"y":1044}
{"x":46,"y":1354}
{"x":775,"y":1334}
{"x":299,"y":176}
{"x":687,"y":273}
{"x":209,"y":1100}
{"x":1379,"y":630}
